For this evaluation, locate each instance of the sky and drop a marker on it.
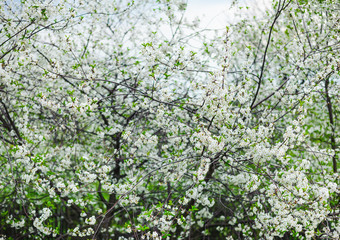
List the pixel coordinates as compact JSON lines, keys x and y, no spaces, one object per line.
{"x":217,"y":13}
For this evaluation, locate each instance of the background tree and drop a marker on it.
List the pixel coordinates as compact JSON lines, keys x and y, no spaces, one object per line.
{"x":114,"y":126}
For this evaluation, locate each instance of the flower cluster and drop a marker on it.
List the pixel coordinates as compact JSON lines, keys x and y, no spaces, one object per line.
{"x":123,"y":120}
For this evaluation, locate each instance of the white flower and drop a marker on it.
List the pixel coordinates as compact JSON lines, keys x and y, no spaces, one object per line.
{"x":91,"y":220}
{"x":323,"y":193}
{"x":332,"y":186}
{"x":128,"y":229}
{"x":69,"y":202}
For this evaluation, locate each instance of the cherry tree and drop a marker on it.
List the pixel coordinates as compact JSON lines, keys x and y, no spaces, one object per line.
{"x":116,"y":124}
